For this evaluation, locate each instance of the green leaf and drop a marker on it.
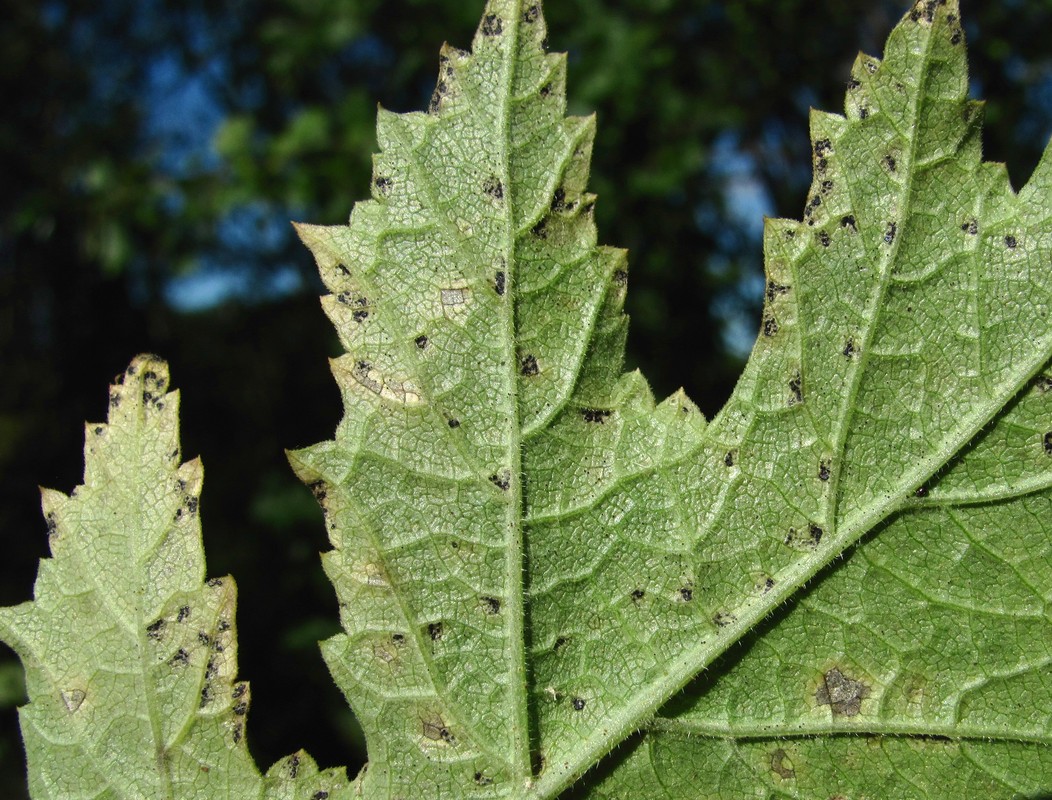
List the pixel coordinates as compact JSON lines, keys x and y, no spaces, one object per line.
{"x":532,"y":557}
{"x":130,"y":655}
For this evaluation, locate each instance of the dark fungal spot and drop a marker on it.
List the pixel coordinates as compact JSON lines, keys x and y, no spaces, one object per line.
{"x":823,"y":471}
{"x":319,"y":490}
{"x":99,"y":430}
{"x":588,"y":207}
{"x":204,"y":638}
{"x":492,"y":25}
{"x":180,"y":659}
{"x":621,"y":277}
{"x":294,"y":766}
{"x":971,"y":227}
{"x":844,"y":695}
{"x":482,"y":780}
{"x":800,"y":540}
{"x":528,"y":365}
{"x":863,"y":113}
{"x":796,"y":392}
{"x":240,"y":709}
{"x":491,"y":605}
{"x":531,"y":14}
{"x":454,"y":423}
{"x":493,"y":187}
{"x":560,"y":643}
{"x":321,"y":794}
{"x":214,"y":583}
{"x":434,"y":631}
{"x":922,"y":491}
{"x":192,"y":504}
{"x":578,"y":703}
{"x":686,"y":593}
{"x":155,"y":630}
{"x":849,"y":348}
{"x":823,"y":147}
{"x":889,"y":162}
{"x":421,"y":342}
{"x":211,"y":669}
{"x":770,"y":325}
{"x":559,"y":200}
{"x":637,"y":595}
{"x":239,"y":691}
{"x":724,"y":618}
{"x":500,"y":283}
{"x":546,"y":90}
{"x":398,"y":638}
{"x":824,"y":239}
{"x":775,"y":289}
{"x":206,"y":695}
{"x":1048,"y":443}
{"x":1044,"y":384}
{"x":768,"y":584}
{"x":957,"y":36}
{"x":827,"y":187}
{"x":849,"y":222}
{"x":822,"y":166}
{"x":853,"y":84}
{"x":115,"y":398}
{"x":540,"y":230}
{"x":52,"y":525}
{"x":502,"y":480}
{"x":595,"y":415}
{"x":1010,"y":242}
{"x":728,"y":460}
{"x":889,"y":234}
{"x":183,"y":615}
{"x":383,"y":186}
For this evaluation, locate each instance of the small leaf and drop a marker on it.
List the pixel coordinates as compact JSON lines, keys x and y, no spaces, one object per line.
{"x":130,"y":654}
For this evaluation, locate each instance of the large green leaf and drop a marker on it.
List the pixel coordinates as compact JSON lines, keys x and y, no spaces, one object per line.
{"x":532,"y":557}
{"x":130,"y":655}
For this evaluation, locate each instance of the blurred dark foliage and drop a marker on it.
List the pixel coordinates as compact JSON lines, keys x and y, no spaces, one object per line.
{"x":103,"y":209}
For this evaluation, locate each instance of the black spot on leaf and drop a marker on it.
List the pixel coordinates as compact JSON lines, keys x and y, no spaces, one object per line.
{"x":383,"y":186}
{"x":889,"y":234}
{"x":775,"y":289}
{"x":528,"y":365}
{"x":434,"y":631}
{"x":1010,"y":242}
{"x":578,"y":703}
{"x":493,"y":187}
{"x":796,"y":391}
{"x":531,"y":14}
{"x":1048,"y":443}
{"x":500,"y":283}
{"x":889,"y":163}
{"x":421,"y":342}
{"x":637,"y":595}
{"x":595,"y":415}
{"x":454,"y":423}
{"x":492,"y":25}
{"x":491,"y":605}
{"x":728,"y":460}
{"x":686,"y":594}
{"x":502,"y":480}
{"x":824,"y":239}
{"x":971,"y":227}
{"x":849,"y":222}
{"x":155,"y":630}
{"x":849,"y":349}
{"x":823,"y":147}
{"x":823,"y":471}
{"x":770,"y":325}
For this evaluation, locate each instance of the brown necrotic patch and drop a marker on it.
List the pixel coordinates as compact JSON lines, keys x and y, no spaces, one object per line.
{"x":844,"y":695}
{"x":782,"y":765}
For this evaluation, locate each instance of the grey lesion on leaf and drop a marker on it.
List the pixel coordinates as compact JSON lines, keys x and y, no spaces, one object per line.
{"x":782,"y":765}
{"x":73,"y":699}
{"x":843,"y":694}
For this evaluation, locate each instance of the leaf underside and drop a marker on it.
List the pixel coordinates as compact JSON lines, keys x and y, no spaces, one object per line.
{"x":532,"y":557}
{"x":130,"y":654}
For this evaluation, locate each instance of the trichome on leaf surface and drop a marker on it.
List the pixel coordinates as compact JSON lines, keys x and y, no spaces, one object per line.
{"x":550,"y":583}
